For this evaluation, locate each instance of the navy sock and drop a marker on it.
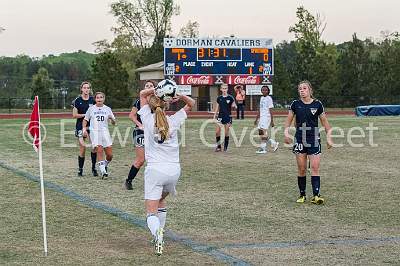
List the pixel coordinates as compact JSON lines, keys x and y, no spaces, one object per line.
{"x":218,"y":138}
{"x":226,"y":143}
{"x":93,"y":155}
{"x":81,"y":161}
{"x":301,"y":181}
{"x":132,"y":173}
{"x":315,"y":182}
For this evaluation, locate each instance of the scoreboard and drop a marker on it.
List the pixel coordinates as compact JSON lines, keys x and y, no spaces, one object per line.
{"x":218,"y":57}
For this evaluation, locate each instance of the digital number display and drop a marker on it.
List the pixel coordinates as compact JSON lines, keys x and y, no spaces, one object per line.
{"x":187,"y":56}
{"x":219,"y":54}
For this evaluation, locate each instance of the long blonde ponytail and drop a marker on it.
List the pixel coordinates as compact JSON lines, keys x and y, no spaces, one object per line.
{"x":160,"y":120}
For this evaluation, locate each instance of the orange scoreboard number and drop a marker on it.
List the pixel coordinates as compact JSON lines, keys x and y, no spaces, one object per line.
{"x":201,"y":52}
{"x":219,"y":54}
{"x":263,"y":51}
{"x":180,"y":53}
{"x":211,"y":53}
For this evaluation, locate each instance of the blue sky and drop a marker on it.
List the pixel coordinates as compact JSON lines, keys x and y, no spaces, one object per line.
{"x":41,"y":27}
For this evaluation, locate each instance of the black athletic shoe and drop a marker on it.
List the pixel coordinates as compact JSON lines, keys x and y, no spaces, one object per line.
{"x":80,"y":172}
{"x":128,"y":185}
{"x":94,"y":172}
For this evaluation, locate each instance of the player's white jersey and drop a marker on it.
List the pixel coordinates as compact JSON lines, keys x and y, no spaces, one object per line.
{"x":98,"y":117}
{"x":265,"y":103}
{"x":168,"y":151}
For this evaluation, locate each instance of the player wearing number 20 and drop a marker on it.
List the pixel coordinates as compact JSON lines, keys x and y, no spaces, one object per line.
{"x":98,"y":116}
{"x":306,"y":112}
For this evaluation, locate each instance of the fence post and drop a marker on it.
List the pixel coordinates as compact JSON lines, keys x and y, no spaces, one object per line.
{"x":9,"y":105}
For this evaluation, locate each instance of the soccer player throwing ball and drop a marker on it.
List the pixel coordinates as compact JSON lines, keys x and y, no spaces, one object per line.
{"x":98,"y":116}
{"x":306,"y":112}
{"x":162,"y":156}
{"x":80,"y":105}
{"x":223,"y":108}
{"x":265,"y":119}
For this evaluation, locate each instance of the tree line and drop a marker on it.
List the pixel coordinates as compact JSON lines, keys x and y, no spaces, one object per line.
{"x":355,"y":72}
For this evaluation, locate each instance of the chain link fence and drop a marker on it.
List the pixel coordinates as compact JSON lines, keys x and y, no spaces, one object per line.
{"x":64,"y":103}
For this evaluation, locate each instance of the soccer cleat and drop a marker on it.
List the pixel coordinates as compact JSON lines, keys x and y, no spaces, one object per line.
{"x":80,"y":172}
{"x":317,"y":200}
{"x":276,"y":146}
{"x":159,"y":242}
{"x":261,"y":151}
{"x":301,"y":199}
{"x":104,"y":175}
{"x":94,"y":172}
{"x":217,"y":149}
{"x":128,"y":185}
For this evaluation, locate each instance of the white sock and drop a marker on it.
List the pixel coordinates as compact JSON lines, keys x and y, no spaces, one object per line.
{"x":153,"y":223}
{"x":162,"y":216}
{"x":273,"y":142}
{"x":106,"y":163}
{"x":102,"y":166}
{"x":263,"y":145}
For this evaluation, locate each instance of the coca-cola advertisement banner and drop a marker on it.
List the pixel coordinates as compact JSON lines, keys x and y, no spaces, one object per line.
{"x":196,"y":80}
{"x":243,"y":80}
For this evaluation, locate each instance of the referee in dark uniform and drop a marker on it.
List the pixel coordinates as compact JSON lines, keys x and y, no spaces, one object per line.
{"x":223,"y":108}
{"x":80,"y":105}
{"x":306,"y":112}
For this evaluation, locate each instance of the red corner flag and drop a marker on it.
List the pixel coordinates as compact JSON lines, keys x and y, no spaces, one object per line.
{"x":34,"y":130}
{"x":34,"y":126}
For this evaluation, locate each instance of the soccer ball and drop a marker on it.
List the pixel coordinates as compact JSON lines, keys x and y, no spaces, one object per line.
{"x":166,"y":90}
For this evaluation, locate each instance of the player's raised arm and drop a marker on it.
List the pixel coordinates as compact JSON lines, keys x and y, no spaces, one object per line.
{"x":144,"y":94}
{"x":189,"y":102}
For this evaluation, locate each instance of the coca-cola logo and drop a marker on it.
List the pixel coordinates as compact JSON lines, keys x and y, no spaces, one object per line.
{"x":198,"y":80}
{"x":245,"y":80}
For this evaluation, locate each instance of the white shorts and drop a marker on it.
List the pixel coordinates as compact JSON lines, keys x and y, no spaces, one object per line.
{"x":264,"y":122}
{"x":159,"y":178}
{"x":100,"y":138}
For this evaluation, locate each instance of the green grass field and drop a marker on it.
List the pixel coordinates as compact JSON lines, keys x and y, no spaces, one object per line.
{"x":239,"y":203}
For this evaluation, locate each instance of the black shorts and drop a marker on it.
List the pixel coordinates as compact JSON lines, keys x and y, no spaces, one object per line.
{"x":225,"y":119}
{"x":79,"y":133}
{"x":138,"y":137}
{"x":312,"y":148}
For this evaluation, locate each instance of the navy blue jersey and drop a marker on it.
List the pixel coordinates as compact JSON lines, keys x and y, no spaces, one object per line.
{"x":306,"y":117}
{"x":225,"y":105}
{"x":82,"y":106}
{"x":137,"y":105}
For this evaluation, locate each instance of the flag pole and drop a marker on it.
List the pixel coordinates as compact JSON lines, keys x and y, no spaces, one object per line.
{"x":42,"y":187}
